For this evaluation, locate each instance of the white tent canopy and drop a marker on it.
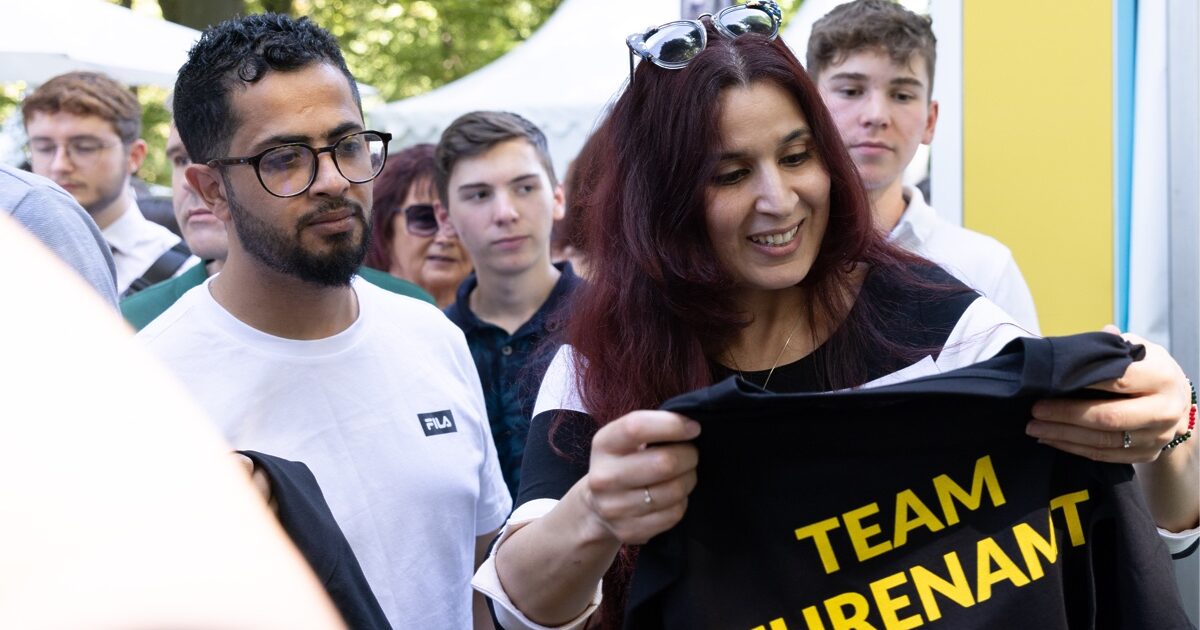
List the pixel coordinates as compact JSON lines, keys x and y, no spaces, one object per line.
{"x":40,"y":39}
{"x":561,"y":78}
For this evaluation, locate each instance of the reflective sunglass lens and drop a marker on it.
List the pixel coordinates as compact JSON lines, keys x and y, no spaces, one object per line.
{"x":743,"y":20}
{"x":675,"y":44}
{"x":420,"y":220}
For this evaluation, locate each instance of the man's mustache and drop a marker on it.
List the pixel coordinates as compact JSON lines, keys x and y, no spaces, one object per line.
{"x":333,"y":206}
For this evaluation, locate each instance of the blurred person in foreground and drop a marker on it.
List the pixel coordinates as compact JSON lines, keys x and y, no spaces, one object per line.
{"x":140,"y":519}
{"x":61,"y":224}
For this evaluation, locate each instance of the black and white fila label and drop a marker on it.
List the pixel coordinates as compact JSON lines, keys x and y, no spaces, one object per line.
{"x":437,"y":422}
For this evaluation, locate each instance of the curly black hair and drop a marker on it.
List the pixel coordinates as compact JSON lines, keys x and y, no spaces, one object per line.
{"x":243,"y":50}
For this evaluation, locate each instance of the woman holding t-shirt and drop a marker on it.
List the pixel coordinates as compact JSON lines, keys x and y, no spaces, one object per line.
{"x":735,"y":238}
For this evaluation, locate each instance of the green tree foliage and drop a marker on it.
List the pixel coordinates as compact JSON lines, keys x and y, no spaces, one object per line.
{"x":408,"y":47}
{"x":200,"y":15}
{"x":156,"y":121}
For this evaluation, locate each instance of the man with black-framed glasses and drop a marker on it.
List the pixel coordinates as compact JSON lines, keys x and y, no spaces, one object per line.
{"x":293,"y":354}
{"x":84,"y":130}
{"x":205,"y":235}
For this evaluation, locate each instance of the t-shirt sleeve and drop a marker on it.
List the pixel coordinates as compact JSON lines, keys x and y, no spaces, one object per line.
{"x":1012,"y":294}
{"x":494,"y":502}
{"x":556,"y":457}
{"x":556,"y":454}
{"x":982,"y":331}
{"x":65,"y":228}
{"x":560,"y":435}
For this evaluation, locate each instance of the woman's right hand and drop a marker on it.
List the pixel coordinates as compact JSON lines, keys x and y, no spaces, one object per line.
{"x":643,"y":467}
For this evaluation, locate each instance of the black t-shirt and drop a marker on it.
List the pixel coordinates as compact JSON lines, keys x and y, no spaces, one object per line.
{"x":553,"y":463}
{"x":911,"y":505}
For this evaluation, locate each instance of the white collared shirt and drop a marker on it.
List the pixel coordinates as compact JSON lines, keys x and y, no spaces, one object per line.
{"x":136,"y":243}
{"x":979,"y":261}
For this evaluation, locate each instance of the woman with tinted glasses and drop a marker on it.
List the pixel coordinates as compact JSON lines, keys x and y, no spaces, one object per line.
{"x":736,"y":238}
{"x":407,"y":240}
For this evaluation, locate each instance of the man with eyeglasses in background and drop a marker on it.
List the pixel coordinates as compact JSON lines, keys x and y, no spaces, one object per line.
{"x":292,"y":354}
{"x":205,"y":235}
{"x":84,"y":130}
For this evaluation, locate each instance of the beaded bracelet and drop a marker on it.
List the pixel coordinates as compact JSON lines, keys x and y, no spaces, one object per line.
{"x":1180,"y":439}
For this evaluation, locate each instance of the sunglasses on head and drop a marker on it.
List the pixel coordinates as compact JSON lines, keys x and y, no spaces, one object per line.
{"x":673,"y":45}
{"x":420,"y":219}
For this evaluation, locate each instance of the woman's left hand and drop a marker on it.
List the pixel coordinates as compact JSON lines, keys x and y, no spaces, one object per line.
{"x":1154,"y":412}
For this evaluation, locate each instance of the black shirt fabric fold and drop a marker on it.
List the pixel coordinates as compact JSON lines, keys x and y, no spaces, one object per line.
{"x":920,"y":504}
{"x":305,"y":516}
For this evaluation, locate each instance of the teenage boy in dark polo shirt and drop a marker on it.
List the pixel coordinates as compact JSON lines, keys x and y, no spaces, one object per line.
{"x":499,"y":193}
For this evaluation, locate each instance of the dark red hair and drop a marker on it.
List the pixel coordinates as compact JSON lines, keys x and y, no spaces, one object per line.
{"x":660,"y":304}
{"x":578,"y":185}
{"x":402,"y":169}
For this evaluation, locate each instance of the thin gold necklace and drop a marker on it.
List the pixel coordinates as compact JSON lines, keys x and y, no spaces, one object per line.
{"x":779,"y":356}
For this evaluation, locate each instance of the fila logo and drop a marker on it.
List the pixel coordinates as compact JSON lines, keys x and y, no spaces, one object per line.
{"x":437,"y":422}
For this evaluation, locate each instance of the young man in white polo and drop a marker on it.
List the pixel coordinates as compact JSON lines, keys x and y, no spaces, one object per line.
{"x":873,"y":61}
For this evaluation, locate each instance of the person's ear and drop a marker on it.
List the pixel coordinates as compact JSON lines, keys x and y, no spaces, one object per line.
{"x":443,"y":218}
{"x":930,"y":123}
{"x":210,"y":186}
{"x":560,"y":203}
{"x":137,"y":155}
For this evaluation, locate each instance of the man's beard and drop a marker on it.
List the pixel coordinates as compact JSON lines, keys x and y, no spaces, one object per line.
{"x":107,"y":191}
{"x":285,"y":254}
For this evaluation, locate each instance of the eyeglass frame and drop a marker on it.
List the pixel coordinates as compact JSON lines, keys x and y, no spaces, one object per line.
{"x":73,"y":153}
{"x":254,"y":161}
{"x":636,"y":42}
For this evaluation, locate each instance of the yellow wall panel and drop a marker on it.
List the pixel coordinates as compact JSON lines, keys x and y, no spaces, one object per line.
{"x":1038,"y":149}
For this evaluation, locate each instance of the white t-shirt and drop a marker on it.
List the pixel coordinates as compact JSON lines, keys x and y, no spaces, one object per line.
{"x":979,"y":261}
{"x":388,"y":414}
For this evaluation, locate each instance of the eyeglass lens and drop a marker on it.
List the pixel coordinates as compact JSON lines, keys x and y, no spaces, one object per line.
{"x":289,"y":170}
{"x":420,"y":220}
{"x":743,"y":20}
{"x":80,"y":151}
{"x":676,"y":43}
